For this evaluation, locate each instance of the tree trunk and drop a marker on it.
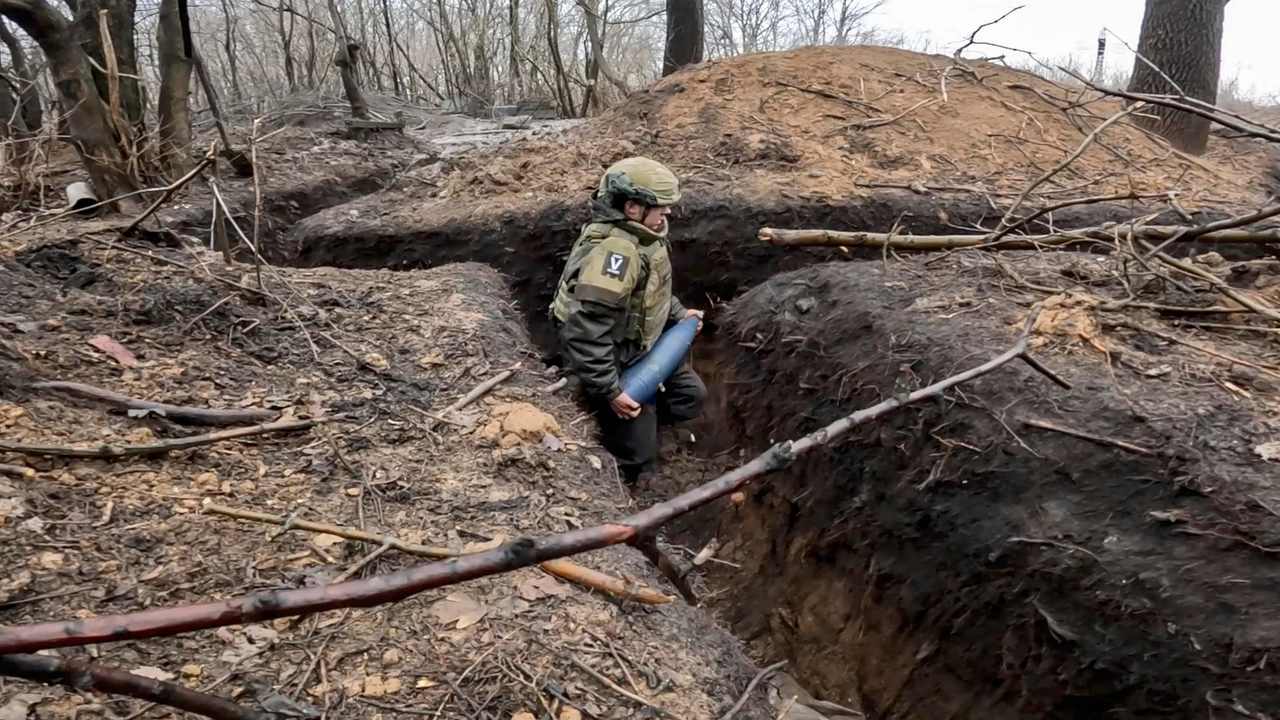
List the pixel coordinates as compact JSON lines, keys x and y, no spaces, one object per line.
{"x":29,"y":92}
{"x":173,"y":43}
{"x":229,"y":46}
{"x":391,"y":54}
{"x":596,"y":39}
{"x":515,"y":83}
{"x":11,"y":124}
{"x":120,"y":23}
{"x":1183,"y":39}
{"x":345,"y":57}
{"x":86,"y":116}
{"x":285,"y":37}
{"x":684,"y":35}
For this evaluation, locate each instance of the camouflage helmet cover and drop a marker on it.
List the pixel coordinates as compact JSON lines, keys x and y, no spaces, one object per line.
{"x":641,"y":179}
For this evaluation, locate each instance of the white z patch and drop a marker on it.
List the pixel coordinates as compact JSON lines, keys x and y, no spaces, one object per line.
{"x":615,"y":265}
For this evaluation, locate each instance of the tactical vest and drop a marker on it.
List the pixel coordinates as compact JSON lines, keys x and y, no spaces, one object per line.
{"x":650,"y":301}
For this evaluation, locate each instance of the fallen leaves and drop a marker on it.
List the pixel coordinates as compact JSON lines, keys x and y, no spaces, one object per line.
{"x":377,"y":686}
{"x":540,"y":586}
{"x":155,"y":673}
{"x":115,"y":350}
{"x":459,"y":607}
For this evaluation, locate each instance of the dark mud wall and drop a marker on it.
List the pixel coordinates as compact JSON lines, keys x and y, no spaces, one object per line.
{"x":950,"y":562}
{"x":715,"y":246}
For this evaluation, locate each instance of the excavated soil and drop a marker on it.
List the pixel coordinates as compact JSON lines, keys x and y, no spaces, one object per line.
{"x":388,"y":351}
{"x":830,"y":125}
{"x":959,"y":560}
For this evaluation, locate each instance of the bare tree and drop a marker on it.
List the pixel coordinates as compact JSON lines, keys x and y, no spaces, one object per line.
{"x":28,"y":91}
{"x":87,"y":121}
{"x":118,"y":16}
{"x":685,"y":26}
{"x":174,"y":50}
{"x":1179,"y":53}
{"x":345,"y":57}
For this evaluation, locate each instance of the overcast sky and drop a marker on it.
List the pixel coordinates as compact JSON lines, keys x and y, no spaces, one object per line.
{"x":1056,"y":28}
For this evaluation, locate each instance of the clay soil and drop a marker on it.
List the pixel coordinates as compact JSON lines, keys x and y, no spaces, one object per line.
{"x":833,"y":125}
{"x":387,"y":351}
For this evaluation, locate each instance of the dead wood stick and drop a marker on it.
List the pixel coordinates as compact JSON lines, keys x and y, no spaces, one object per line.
{"x":164,"y":446}
{"x":742,"y":699}
{"x":562,"y":569}
{"x":1189,"y":105}
{"x":845,"y":238}
{"x":172,"y":188}
{"x":514,"y":554}
{"x":17,"y":471}
{"x":481,"y":389}
{"x":647,"y":544}
{"x":1100,"y":439}
{"x":177,"y":413}
{"x":83,"y":675}
{"x":596,"y":580}
{"x":1092,"y":200}
{"x":1207,"y":351}
{"x":619,"y":689}
{"x":1218,"y":283}
{"x":1084,"y":145}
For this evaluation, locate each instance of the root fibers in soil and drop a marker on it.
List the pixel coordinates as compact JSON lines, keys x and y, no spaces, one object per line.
{"x":955,"y":560}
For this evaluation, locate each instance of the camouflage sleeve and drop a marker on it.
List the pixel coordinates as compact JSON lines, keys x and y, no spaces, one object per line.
{"x":677,"y":311}
{"x":587,"y":343}
{"x":609,"y":274}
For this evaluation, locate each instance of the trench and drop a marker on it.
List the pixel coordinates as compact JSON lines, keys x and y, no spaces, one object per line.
{"x":897,"y":609}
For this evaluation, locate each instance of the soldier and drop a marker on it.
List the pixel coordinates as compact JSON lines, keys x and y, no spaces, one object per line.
{"x":614,"y":300}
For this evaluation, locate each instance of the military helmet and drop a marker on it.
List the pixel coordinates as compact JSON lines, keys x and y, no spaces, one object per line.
{"x":641,"y":179}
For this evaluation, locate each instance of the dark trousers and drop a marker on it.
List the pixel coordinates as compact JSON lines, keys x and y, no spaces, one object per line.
{"x":634,"y":442}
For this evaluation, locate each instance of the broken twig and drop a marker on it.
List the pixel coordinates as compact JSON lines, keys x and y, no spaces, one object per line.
{"x":17,"y":471}
{"x":742,"y":699}
{"x":512,"y":555}
{"x":1100,"y":439}
{"x":177,"y":413}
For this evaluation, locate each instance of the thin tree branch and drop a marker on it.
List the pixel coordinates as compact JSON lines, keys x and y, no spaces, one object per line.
{"x":83,"y":675}
{"x":177,"y":413}
{"x":182,"y":443}
{"x":515,"y":554}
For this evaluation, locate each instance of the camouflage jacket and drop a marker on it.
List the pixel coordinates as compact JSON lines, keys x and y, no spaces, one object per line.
{"x":614,"y":299}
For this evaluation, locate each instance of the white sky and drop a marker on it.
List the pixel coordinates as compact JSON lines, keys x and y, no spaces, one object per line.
{"x":1053,"y":29}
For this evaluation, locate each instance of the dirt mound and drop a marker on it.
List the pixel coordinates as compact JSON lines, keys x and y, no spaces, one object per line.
{"x":1017,"y":550}
{"x":834,"y":123}
{"x":387,"y":351}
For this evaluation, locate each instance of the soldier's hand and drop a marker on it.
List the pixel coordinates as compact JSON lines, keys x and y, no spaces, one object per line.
{"x":624,"y":407}
{"x":692,"y":313}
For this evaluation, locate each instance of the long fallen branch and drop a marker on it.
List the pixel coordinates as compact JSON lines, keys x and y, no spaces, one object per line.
{"x":560,"y":568}
{"x":164,"y":446}
{"x":82,"y":675}
{"x":515,"y":554}
{"x":177,"y":413}
{"x":844,"y":238}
